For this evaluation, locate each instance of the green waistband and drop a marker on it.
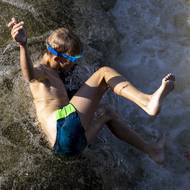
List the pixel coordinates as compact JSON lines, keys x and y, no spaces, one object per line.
{"x":65,"y":111}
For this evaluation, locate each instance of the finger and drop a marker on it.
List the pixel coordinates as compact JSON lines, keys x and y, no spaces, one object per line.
{"x":14,"y":19}
{"x":16,"y":30}
{"x":18,"y":25}
{"x":12,"y":22}
{"x":15,"y":34}
{"x":172,"y":77}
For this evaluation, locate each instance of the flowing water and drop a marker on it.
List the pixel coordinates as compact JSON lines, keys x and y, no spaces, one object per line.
{"x":155,"y":39}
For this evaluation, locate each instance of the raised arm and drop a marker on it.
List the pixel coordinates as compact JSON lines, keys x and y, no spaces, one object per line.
{"x":18,"y":33}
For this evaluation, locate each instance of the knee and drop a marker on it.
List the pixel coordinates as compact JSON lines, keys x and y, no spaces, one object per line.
{"x":105,"y":73}
{"x":105,"y":69}
{"x":101,"y":73}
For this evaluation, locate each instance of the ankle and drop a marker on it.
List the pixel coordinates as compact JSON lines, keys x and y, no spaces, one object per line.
{"x":152,"y":107}
{"x":148,"y":99}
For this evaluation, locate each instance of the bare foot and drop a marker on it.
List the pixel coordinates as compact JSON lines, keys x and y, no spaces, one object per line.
{"x":165,"y":88}
{"x":156,"y":151}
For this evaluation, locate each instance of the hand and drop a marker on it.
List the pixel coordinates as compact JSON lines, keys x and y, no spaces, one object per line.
{"x":18,"y":31}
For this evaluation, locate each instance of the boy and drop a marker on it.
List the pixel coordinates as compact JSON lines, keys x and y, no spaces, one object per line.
{"x":67,"y":124}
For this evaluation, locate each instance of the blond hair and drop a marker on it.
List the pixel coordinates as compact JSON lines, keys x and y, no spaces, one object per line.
{"x":63,"y":40}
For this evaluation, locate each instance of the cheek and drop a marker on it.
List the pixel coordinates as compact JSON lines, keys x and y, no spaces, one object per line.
{"x":56,"y":65}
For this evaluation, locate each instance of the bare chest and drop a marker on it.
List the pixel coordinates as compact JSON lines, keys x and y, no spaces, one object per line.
{"x":50,"y":87}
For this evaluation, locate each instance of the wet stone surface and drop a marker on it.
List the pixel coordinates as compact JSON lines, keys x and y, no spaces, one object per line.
{"x":26,"y":162}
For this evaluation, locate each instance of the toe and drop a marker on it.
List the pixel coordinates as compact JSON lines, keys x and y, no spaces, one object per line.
{"x":169,"y":76}
{"x":173,"y":77}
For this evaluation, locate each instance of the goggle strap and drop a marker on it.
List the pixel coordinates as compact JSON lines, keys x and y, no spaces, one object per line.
{"x":58,"y":54}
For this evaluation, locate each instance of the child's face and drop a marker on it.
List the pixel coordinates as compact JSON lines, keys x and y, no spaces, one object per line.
{"x":61,"y":61}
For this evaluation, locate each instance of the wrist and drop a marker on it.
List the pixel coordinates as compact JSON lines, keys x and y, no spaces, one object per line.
{"x":22,"y":45}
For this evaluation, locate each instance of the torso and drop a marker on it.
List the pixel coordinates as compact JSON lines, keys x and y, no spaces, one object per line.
{"x":49,"y":94}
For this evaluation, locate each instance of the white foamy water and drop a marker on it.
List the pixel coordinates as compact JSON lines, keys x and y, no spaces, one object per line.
{"x":155,"y":41}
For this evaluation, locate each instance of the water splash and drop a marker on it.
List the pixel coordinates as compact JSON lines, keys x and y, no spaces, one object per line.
{"x":156,"y":41}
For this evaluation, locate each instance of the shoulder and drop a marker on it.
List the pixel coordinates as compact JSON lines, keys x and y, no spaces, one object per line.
{"x":39,"y":72}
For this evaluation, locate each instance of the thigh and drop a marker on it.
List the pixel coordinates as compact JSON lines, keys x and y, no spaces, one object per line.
{"x":87,"y":99}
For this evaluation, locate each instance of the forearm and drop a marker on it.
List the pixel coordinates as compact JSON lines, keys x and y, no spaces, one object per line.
{"x":25,"y":63}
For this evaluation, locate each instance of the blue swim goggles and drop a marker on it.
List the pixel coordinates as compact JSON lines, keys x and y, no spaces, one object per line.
{"x":63,"y":55}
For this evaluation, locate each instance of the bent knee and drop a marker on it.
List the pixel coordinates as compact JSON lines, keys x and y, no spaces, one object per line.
{"x":101,"y":74}
{"x":105,"y":69}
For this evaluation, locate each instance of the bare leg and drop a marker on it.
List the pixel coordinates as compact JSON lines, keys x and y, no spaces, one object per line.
{"x":88,"y":97}
{"x":149,"y":103}
{"x":97,"y":124}
{"x":120,"y":129}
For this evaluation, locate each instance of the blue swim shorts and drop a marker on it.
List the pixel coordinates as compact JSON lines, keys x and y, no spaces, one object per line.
{"x":70,"y":139}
